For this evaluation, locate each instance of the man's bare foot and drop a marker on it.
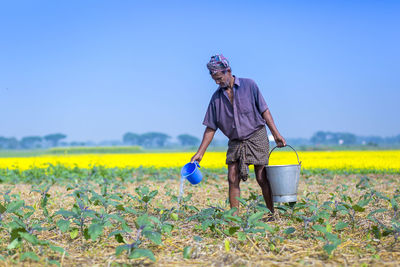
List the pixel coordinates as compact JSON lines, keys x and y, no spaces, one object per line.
{"x":270,"y":217}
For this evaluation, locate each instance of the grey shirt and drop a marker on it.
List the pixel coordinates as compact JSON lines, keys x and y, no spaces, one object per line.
{"x":240,"y":119}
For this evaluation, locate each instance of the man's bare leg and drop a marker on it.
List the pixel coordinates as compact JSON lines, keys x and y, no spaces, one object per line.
{"x":234,"y":188}
{"x":261,"y":176}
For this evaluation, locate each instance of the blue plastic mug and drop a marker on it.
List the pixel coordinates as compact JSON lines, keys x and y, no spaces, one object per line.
{"x":191,"y":172}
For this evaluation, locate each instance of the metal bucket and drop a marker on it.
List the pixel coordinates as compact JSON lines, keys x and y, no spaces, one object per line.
{"x":284,"y":180}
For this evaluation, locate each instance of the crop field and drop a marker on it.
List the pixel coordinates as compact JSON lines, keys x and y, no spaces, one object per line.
{"x":123,"y":209}
{"x":350,"y":161}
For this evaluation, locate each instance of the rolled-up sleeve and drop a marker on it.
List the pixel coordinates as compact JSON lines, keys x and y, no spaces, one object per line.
{"x":210,"y":119}
{"x":259,"y":99}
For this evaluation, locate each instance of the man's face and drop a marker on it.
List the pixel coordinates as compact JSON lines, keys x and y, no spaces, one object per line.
{"x":221,"y":79}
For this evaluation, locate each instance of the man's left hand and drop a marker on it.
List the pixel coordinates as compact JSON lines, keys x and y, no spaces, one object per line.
{"x":280,"y":141}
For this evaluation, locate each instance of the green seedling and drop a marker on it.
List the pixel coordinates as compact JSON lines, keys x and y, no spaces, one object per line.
{"x":145,"y":226}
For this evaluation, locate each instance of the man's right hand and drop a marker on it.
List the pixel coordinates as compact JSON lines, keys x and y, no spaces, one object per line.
{"x":197,"y":157}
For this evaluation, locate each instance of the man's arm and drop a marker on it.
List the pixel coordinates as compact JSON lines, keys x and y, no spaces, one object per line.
{"x":279,"y":140}
{"x":207,"y":138}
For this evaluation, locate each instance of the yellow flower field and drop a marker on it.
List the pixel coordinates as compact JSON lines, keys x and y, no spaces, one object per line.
{"x":333,"y":160}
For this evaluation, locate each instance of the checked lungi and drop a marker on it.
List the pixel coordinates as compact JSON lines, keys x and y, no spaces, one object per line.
{"x":253,"y":150}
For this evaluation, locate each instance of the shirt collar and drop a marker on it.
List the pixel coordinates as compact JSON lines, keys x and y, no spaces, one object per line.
{"x":237,"y":82}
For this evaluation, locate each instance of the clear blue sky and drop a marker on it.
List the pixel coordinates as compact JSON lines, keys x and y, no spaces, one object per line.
{"x":97,"y":69}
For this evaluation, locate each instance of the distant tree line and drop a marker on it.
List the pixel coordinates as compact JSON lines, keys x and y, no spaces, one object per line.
{"x":162,"y":140}
{"x":31,"y":142}
{"x":149,"y":140}
{"x":342,"y":138}
{"x":156,"y":139}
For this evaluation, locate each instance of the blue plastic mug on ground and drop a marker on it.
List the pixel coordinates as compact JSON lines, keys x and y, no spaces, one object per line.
{"x":191,"y":172}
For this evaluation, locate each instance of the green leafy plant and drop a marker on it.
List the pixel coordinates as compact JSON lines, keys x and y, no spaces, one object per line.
{"x":145,"y":229}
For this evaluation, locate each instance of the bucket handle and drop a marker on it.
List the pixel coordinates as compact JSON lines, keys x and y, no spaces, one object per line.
{"x":291,"y":148}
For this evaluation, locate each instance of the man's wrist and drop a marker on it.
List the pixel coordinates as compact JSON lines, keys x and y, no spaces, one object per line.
{"x":277,"y":136}
{"x":200,"y":153}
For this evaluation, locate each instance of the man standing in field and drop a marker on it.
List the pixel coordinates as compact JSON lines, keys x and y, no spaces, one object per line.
{"x":240,"y":111}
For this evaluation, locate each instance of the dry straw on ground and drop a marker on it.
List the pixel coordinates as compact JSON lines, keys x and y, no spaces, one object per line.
{"x":358,"y":246}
